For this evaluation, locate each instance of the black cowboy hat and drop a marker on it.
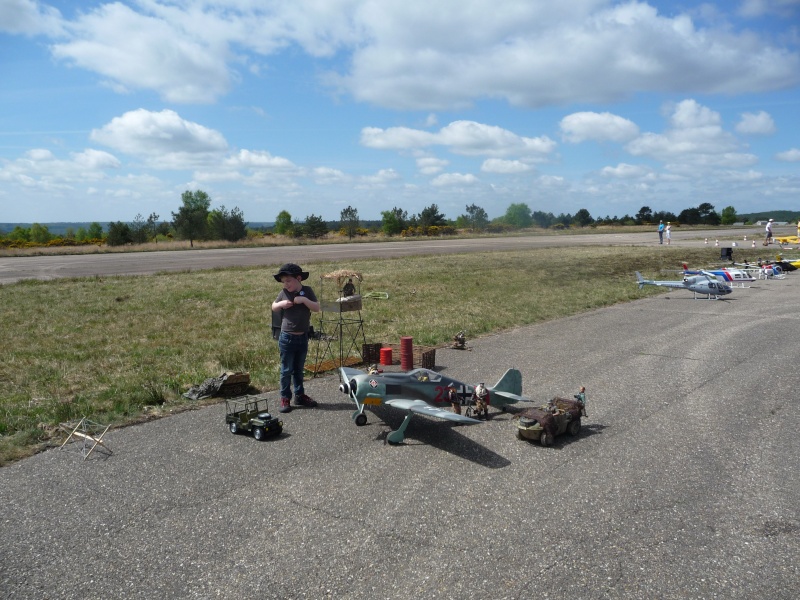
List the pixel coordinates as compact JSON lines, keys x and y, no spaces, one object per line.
{"x":291,"y":269}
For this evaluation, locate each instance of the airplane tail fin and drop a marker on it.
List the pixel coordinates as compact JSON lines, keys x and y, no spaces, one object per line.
{"x":640,"y":279}
{"x":508,"y":390}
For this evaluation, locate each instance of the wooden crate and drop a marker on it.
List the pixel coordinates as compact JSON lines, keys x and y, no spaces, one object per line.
{"x":371,"y":353}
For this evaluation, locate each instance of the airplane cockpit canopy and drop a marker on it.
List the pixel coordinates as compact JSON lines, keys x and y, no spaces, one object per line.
{"x":425,"y":375}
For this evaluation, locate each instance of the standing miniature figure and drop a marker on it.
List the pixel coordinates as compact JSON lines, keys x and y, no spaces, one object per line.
{"x":481,"y":398}
{"x":349,"y":289}
{"x":297,"y":301}
{"x":661,"y":232}
{"x":798,"y":230}
{"x":581,"y":397}
{"x":460,"y":340}
{"x":768,"y":233}
{"x":454,"y":398}
{"x":668,"y":232}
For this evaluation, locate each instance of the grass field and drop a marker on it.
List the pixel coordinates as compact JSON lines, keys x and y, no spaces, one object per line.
{"x":120,"y":349}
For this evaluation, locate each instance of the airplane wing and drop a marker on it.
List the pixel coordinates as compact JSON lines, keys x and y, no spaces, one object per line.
{"x":347,"y":373}
{"x":423,"y":408}
{"x":787,"y":239}
{"x":511,"y":396}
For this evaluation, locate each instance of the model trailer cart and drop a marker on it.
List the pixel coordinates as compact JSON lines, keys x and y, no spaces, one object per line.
{"x":251,"y":414}
{"x":546,"y":422}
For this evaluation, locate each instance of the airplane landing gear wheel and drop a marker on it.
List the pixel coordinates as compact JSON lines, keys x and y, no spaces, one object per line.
{"x":361,"y":420}
{"x":545,"y":439}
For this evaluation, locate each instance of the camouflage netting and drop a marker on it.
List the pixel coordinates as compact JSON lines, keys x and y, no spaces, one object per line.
{"x":567,"y":405}
{"x":544,"y":416}
{"x":218,"y":386}
{"x":342,"y":274}
{"x":530,"y":415}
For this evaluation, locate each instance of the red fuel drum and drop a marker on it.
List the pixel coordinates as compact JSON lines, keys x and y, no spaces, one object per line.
{"x":386,"y":356}
{"x":406,"y":353}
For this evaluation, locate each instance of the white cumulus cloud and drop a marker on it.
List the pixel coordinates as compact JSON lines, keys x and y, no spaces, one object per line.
{"x":625,"y":171}
{"x":460,"y":137}
{"x":163,"y":139}
{"x":454,"y":179}
{"x":600,"y":127}
{"x":792,"y":155}
{"x":136,"y":51}
{"x":429,"y":165}
{"x":258,"y":160}
{"x":506,"y":167}
{"x":695,"y":131}
{"x":29,"y":17}
{"x":759,"y":123}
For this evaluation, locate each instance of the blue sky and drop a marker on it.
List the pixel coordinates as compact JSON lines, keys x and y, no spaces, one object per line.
{"x":113,"y":109}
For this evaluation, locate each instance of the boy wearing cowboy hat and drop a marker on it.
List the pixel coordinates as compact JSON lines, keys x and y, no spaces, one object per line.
{"x":297,"y":301}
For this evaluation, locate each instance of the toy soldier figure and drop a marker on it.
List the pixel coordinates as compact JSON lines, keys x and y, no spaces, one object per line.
{"x":581,"y":397}
{"x":349,"y":289}
{"x":453,"y":397}
{"x":460,"y":340}
{"x":481,"y":398}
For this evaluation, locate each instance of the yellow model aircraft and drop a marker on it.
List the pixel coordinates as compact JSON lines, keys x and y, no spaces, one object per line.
{"x":787,"y":240}
{"x":795,"y":262}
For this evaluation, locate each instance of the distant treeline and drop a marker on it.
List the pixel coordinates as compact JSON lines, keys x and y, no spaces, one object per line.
{"x":61,"y":229}
{"x":196,"y":221}
{"x":781,"y":216}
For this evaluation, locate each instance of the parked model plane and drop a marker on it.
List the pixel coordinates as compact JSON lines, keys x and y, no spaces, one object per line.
{"x":698,"y":284}
{"x":725,"y":274}
{"x":784,"y":240}
{"x":788,"y":264}
{"x":423,"y":392}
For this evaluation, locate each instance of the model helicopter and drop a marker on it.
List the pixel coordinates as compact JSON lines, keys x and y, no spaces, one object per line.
{"x":706,"y":283}
{"x":766,"y":269}
{"x":725,"y":274}
{"x":423,"y":392}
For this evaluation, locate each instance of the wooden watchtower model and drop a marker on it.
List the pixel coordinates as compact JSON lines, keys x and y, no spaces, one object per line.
{"x":340,"y":338}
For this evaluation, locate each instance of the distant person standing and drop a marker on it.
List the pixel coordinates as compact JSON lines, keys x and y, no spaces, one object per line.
{"x":798,"y":228}
{"x":768,"y":233}
{"x":661,"y":232}
{"x":668,"y":232}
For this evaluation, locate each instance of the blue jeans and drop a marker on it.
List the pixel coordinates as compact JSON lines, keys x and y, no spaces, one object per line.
{"x":293,"y":349}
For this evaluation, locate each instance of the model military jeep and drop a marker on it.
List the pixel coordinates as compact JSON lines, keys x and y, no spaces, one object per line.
{"x":550,"y":420}
{"x":251,"y":414}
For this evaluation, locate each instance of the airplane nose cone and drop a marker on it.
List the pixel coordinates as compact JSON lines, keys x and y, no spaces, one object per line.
{"x":344,"y":388}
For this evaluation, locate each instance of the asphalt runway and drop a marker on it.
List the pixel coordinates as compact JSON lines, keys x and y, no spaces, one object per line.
{"x":682,"y":484}
{"x":17,"y":268}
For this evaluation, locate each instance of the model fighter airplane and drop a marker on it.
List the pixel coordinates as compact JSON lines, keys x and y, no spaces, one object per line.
{"x":423,"y":392}
{"x":705,"y":283}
